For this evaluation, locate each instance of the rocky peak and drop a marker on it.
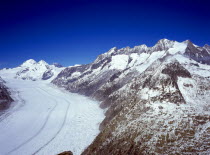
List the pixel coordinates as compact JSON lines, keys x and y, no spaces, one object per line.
{"x":188,"y":41}
{"x":189,"y":44}
{"x":163,"y":44}
{"x":198,"y":54}
{"x":57,"y":65}
{"x":207,"y":47}
{"x":140,"y":48}
{"x":112,"y":50}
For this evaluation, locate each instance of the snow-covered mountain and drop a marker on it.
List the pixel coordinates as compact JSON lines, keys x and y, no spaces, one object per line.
{"x":157,"y":99}
{"x":32,"y":70}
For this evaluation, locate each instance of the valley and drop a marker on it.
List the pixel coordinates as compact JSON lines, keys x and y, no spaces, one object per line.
{"x":46,"y":120}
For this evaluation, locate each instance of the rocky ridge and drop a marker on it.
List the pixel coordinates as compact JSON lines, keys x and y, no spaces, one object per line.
{"x":156,"y":98}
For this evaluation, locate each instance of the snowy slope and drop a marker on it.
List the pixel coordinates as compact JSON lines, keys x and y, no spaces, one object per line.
{"x":46,"y":120}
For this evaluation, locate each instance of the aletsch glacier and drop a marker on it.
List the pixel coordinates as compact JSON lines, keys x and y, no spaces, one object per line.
{"x":44,"y":119}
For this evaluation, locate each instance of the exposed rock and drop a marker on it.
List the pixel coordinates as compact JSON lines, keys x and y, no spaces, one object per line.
{"x":66,"y":153}
{"x":47,"y":74}
{"x":5,"y":98}
{"x":57,"y":65}
{"x":198,"y":54}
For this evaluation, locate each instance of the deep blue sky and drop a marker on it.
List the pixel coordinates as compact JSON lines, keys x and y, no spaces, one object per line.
{"x":76,"y":31}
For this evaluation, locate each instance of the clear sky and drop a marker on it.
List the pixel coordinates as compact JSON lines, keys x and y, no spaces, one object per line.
{"x":77,"y":31}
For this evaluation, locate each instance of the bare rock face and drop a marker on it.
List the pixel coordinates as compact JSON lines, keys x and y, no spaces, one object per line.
{"x":47,"y":74}
{"x":198,"y":54}
{"x":57,"y":65}
{"x":5,"y":98}
{"x":156,"y":98}
{"x":66,"y":153}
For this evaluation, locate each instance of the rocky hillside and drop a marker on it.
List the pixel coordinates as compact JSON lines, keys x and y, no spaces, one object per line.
{"x":5,"y":98}
{"x":156,"y":98}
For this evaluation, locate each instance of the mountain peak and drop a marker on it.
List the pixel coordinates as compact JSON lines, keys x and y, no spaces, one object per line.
{"x":143,"y":46}
{"x":57,"y":65}
{"x":112,"y":50}
{"x":29,"y":62}
{"x":163,"y":44}
{"x":42,"y":62}
{"x":164,"y":40}
{"x":206,"y":46}
{"x":188,"y":42}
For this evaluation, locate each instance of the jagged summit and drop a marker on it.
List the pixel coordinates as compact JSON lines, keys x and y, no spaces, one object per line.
{"x":162,"y":44}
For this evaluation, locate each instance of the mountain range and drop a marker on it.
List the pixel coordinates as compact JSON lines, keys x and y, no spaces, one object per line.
{"x":156,"y":99}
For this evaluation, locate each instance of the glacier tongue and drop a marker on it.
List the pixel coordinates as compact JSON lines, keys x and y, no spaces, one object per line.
{"x":46,"y":120}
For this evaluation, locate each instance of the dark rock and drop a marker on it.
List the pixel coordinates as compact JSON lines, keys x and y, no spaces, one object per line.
{"x":57,"y":65}
{"x":66,"y":153}
{"x":200,"y":55}
{"x":5,"y":98}
{"x":47,"y":75}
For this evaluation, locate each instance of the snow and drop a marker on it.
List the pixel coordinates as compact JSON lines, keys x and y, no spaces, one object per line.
{"x":29,"y":62}
{"x":201,"y":69}
{"x":45,"y":119}
{"x":42,"y":62}
{"x":119,"y":62}
{"x":145,"y":60}
{"x":177,"y":47}
{"x":141,"y":47}
{"x":193,"y":91}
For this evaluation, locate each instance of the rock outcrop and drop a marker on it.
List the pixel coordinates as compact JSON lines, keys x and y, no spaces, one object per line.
{"x":5,"y":98}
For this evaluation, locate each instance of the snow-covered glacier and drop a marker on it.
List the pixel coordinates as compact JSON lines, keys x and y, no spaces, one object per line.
{"x":44,"y":119}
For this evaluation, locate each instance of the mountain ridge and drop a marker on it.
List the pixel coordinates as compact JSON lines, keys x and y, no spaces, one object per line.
{"x":155,"y":99}
{"x":138,"y":85}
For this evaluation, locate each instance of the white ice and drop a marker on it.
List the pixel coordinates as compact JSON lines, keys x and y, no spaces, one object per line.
{"x":45,"y":120}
